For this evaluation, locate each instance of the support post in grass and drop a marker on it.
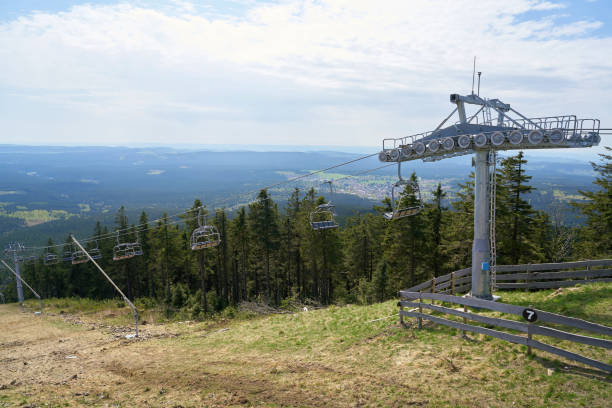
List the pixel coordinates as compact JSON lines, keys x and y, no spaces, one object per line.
{"x":20,"y":279}
{"x":464,"y":321}
{"x":419,"y":319}
{"x":452,"y":283}
{"x":433,"y":287}
{"x":125,"y":298}
{"x":528,"y":279}
{"x":529,"y":335}
{"x":401,"y":315}
{"x":586,"y":274}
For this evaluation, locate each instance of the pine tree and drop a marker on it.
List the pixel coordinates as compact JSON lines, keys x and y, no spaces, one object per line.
{"x":596,"y":235}
{"x":435,"y":218}
{"x":263,"y":222}
{"x":515,"y":235}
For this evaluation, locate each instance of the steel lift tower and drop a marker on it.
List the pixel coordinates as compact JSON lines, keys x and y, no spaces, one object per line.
{"x":494,"y":126}
{"x":14,"y":248}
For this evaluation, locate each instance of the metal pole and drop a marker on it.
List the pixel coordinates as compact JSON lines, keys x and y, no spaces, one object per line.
{"x":18,"y":275}
{"x":20,"y":279}
{"x":125,"y":298}
{"x":481,"y":286}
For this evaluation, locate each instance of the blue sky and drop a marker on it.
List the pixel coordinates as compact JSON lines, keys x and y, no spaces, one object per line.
{"x":299,"y":72}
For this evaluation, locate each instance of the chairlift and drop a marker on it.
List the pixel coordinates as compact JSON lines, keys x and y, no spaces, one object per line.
{"x":123,"y":250}
{"x":51,"y":259}
{"x":205,"y":236}
{"x":136,"y":247}
{"x":95,"y":252}
{"x":79,"y":257}
{"x":398,"y":211}
{"x":322,"y":217}
{"x":67,"y":255}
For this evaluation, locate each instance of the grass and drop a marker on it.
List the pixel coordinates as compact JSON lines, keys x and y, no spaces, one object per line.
{"x":339,"y":356}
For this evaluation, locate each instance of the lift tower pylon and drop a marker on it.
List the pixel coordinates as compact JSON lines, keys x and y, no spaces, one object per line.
{"x":494,"y":126}
{"x":13,"y":249}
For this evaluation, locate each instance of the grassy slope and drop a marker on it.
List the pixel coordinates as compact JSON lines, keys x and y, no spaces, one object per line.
{"x":333,"y":357}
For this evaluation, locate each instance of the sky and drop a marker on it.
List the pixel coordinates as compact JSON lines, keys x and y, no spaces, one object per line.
{"x":311,"y":72}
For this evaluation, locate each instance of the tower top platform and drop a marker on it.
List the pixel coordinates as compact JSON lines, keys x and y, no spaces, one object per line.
{"x":494,"y":126}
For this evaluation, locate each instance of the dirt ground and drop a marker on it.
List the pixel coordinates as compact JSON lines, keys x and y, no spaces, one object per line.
{"x":330,"y":358}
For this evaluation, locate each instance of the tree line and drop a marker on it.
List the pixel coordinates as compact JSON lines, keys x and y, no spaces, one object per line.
{"x":272,"y":255}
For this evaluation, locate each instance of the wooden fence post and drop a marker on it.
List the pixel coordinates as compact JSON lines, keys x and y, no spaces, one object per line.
{"x":433,"y":287}
{"x":402,"y":316}
{"x":529,"y":335}
{"x":464,"y":321}
{"x":419,"y":319}
{"x":452,"y":283}
{"x":586,"y":274}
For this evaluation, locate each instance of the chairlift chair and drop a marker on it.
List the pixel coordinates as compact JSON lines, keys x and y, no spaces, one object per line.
{"x":398,"y":211}
{"x":205,"y":236}
{"x":95,"y":252}
{"x":136,"y":247}
{"x":79,"y":257}
{"x":322,"y":217}
{"x":51,"y":259}
{"x":123,"y":250}
{"x":67,"y":255}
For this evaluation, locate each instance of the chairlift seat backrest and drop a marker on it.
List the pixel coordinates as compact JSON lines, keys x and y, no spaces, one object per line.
{"x":79,"y":257}
{"x":51,"y":259}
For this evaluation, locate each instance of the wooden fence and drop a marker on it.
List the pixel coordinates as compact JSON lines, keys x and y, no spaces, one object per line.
{"x":531,"y":324}
{"x":553,"y":275}
{"x":526,"y":276}
{"x":455,"y":282}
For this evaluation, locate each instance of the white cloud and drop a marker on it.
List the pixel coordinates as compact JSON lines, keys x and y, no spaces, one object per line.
{"x":320,"y":72}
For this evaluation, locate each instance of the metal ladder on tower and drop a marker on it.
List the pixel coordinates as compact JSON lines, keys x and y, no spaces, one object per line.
{"x":492,"y":194}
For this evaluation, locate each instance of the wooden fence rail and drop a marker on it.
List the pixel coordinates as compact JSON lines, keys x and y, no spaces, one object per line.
{"x":552,"y":275}
{"x":526,"y":276}
{"x":414,"y":300}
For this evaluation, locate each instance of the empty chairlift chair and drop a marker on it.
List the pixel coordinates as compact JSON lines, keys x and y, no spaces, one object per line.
{"x":79,"y":257}
{"x":123,"y":250}
{"x":136,"y":247}
{"x":397,"y":209}
{"x":205,"y":236}
{"x":95,"y":252}
{"x":323,"y":216}
{"x":67,"y":255}
{"x":50,"y":259}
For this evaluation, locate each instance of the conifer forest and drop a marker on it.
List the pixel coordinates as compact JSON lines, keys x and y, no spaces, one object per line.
{"x":268,"y":252}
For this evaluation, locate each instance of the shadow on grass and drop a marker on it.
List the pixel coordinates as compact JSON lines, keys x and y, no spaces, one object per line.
{"x":573,"y":369}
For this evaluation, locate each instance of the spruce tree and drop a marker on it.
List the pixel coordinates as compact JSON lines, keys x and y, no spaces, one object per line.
{"x":596,"y":235}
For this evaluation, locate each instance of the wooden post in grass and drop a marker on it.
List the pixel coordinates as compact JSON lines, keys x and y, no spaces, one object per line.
{"x":586,"y":274}
{"x":433,"y":287}
{"x":464,"y":321}
{"x":529,"y":335}
{"x":452,"y":283}
{"x":419,"y":319}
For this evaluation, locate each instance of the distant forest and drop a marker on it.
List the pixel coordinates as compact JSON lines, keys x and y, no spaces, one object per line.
{"x":273,"y":256}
